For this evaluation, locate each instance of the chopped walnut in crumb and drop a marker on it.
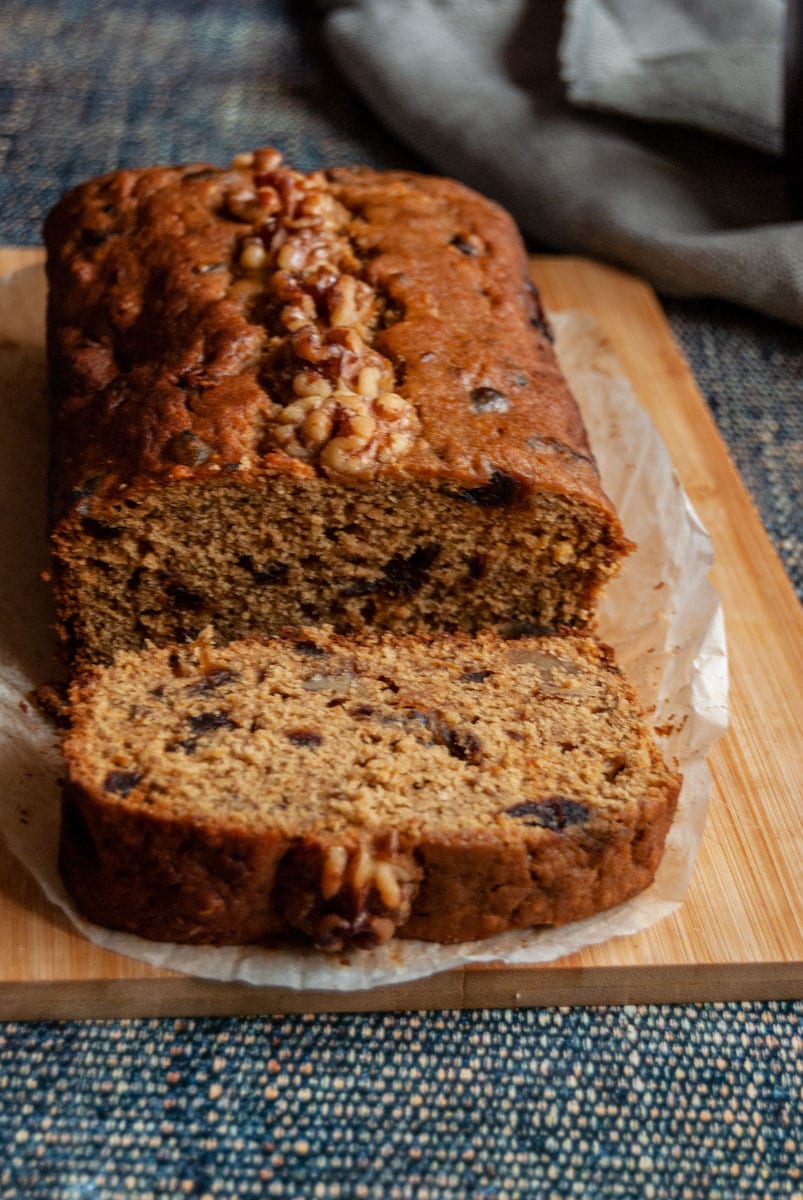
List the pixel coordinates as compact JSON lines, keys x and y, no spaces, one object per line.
{"x":242,"y":161}
{"x":563,"y":552}
{"x":253,"y":254}
{"x":310,"y":383}
{"x":387,"y":885}
{"x":344,"y":412}
{"x":334,"y":870}
{"x":367,"y":895}
{"x":347,"y":432}
{"x":350,"y":302}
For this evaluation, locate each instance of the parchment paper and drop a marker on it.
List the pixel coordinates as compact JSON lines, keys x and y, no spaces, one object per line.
{"x":662,"y":616}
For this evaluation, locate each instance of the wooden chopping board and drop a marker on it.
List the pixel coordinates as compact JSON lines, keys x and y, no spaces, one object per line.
{"x":739,"y":934}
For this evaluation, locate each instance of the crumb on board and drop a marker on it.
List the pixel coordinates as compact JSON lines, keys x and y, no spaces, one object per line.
{"x":51,"y":701}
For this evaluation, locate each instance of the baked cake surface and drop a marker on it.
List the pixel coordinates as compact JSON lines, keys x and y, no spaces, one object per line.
{"x":284,"y":398}
{"x":346,"y":790}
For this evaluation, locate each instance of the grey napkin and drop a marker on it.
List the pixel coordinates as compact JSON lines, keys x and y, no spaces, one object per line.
{"x":473,"y":86}
{"x":714,"y":64}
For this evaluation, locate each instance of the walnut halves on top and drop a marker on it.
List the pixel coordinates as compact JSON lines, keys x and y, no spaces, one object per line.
{"x":284,"y":399}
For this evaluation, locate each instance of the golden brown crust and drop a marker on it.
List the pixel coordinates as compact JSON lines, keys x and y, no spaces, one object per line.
{"x":475,"y":890}
{"x":170,"y":359}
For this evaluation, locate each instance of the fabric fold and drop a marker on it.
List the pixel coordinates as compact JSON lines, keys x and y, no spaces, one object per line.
{"x":710,"y":65}
{"x":474,"y":89}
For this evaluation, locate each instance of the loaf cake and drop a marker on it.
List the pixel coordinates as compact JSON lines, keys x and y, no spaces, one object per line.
{"x":343,"y":790}
{"x":327,"y":398}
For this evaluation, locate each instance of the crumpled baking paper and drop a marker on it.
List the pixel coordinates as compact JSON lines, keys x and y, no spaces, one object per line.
{"x":661,"y":615}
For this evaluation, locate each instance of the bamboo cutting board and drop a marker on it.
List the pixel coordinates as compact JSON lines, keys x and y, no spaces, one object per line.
{"x":739,"y":934}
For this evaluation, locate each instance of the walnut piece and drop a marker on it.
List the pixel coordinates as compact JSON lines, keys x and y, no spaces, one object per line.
{"x":344,"y":413}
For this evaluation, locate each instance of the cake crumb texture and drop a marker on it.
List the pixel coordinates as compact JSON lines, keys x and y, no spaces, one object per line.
{"x":348,"y":790}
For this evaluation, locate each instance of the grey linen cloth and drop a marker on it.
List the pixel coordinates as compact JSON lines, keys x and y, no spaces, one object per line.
{"x":474,"y":87}
{"x":715,"y":64}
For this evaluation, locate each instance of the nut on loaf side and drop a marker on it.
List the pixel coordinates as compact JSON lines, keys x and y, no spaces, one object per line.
{"x":282,"y":398}
{"x":347,"y":790}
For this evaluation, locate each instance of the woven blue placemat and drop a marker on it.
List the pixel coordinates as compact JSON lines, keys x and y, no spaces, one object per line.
{"x":663,"y":1103}
{"x":666,"y":1103}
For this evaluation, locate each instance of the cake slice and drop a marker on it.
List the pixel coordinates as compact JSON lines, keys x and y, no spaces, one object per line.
{"x":346,"y":790}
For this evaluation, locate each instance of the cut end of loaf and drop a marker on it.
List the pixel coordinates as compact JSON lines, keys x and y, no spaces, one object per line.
{"x":346,"y":790}
{"x":251,"y":558}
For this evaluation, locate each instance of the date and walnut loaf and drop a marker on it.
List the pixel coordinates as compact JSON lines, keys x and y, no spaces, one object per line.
{"x":344,"y":790}
{"x":307,"y":405}
{"x":327,"y":398}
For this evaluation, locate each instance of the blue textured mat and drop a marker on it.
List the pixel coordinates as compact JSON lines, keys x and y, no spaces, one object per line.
{"x":688,"y":1103}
